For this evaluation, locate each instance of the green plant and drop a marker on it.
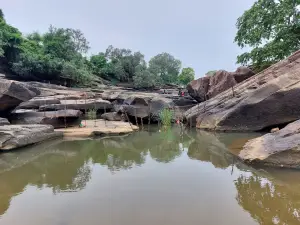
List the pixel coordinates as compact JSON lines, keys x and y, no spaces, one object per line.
{"x":166,"y":116}
{"x":92,"y":114}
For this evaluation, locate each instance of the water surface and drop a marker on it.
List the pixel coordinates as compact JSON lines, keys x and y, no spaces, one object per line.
{"x":146,"y":178}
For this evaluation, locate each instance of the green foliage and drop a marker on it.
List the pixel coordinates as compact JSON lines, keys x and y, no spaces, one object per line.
{"x":144,"y":78}
{"x":166,"y":116}
{"x":166,"y":67}
{"x":186,"y":76}
{"x":272,"y":29}
{"x":58,"y":55}
{"x":211,"y":73}
{"x":92,"y":114}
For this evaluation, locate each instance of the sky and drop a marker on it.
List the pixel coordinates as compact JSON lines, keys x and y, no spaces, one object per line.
{"x":199,"y":33}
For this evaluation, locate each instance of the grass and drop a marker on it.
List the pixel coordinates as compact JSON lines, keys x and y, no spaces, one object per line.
{"x":92,"y":114}
{"x":166,"y":116}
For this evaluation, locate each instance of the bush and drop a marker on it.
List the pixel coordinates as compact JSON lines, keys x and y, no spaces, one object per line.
{"x":92,"y":114}
{"x":166,"y":116}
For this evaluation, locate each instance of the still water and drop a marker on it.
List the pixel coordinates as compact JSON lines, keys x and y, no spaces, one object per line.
{"x":146,"y":178}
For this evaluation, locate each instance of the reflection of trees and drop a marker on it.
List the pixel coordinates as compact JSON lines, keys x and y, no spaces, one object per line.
{"x":207,"y":147}
{"x":270,"y":202}
{"x":165,"y":148}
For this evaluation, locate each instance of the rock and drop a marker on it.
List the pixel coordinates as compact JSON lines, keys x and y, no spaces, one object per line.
{"x":281,"y":149}
{"x":57,"y":119}
{"x":16,"y":136}
{"x":274,"y":130}
{"x":36,"y":102}
{"x":199,"y":88}
{"x":112,"y":116}
{"x":269,"y":98}
{"x":12,"y":93}
{"x":99,"y":128}
{"x":136,"y":106}
{"x":220,"y":82}
{"x":209,"y":86}
{"x":78,"y":105}
{"x":242,"y":73}
{"x":4,"y":121}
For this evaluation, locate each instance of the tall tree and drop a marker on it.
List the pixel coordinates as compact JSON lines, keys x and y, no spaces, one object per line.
{"x":186,"y":75}
{"x":272,"y":29}
{"x":166,"y":67}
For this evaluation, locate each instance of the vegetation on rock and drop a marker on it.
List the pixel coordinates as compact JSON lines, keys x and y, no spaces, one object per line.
{"x":272,"y":29}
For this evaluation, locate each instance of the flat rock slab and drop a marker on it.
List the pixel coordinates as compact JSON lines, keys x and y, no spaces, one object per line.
{"x":78,"y":105}
{"x":35,"y":103}
{"x":16,"y":136}
{"x":99,"y":128}
{"x":281,"y":148}
{"x":57,"y":119}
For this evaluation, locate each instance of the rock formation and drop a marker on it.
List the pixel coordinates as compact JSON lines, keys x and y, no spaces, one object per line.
{"x":267,"y":99}
{"x":209,"y":86}
{"x":279,"y":149}
{"x":15,"y":136}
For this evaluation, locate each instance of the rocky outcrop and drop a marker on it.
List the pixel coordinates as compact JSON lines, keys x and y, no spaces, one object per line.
{"x":35,"y":103}
{"x":15,"y":136}
{"x":57,"y":119}
{"x":111,"y":116}
{"x":266,"y":99}
{"x":139,"y":107}
{"x":209,"y":86}
{"x":78,"y":105}
{"x":281,"y":148}
{"x":13,"y":93}
{"x":4,"y":121}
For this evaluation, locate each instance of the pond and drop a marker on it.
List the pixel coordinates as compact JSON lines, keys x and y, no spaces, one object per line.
{"x":145,"y":178}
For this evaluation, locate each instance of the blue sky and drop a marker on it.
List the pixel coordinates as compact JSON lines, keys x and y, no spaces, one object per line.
{"x":199,"y":33}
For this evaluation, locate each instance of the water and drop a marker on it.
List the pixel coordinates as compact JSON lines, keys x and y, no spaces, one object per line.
{"x":143,"y":179}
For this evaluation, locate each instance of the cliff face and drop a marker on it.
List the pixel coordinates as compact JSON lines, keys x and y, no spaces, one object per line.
{"x":266,"y":99}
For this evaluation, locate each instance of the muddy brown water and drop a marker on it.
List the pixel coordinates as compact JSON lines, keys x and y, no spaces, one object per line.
{"x":146,"y":178}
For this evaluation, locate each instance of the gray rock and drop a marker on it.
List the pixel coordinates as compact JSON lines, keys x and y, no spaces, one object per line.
{"x":4,"y":121}
{"x":265,"y":100}
{"x":111,"y":116}
{"x":58,"y":119}
{"x":36,"y":102}
{"x":280,"y":149}
{"x":78,"y":105}
{"x":12,"y":93}
{"x":16,"y":136}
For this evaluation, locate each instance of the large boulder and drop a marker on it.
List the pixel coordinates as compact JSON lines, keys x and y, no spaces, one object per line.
{"x":15,"y":136}
{"x":209,"y":86}
{"x":281,"y":148}
{"x":143,"y":107}
{"x":198,"y":88}
{"x":111,"y":116}
{"x":78,"y":105}
{"x":266,"y":99}
{"x":4,"y":121}
{"x":12,"y":93}
{"x":58,"y":119}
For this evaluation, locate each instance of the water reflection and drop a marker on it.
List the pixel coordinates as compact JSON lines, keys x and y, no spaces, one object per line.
{"x":270,"y":196}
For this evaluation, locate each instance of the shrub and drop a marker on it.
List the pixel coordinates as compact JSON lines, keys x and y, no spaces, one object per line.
{"x":166,"y":116}
{"x":92,"y":114}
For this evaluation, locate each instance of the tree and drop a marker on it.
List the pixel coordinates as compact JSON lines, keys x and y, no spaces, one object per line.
{"x":124,"y":62}
{"x":186,"y":76}
{"x":165,"y":66}
{"x":272,"y":29}
{"x":211,"y":73}
{"x":144,"y":78}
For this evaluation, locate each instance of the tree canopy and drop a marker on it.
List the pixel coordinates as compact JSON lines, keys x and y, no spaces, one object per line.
{"x":59,"y":55}
{"x":186,"y":75}
{"x":271,"y":28}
